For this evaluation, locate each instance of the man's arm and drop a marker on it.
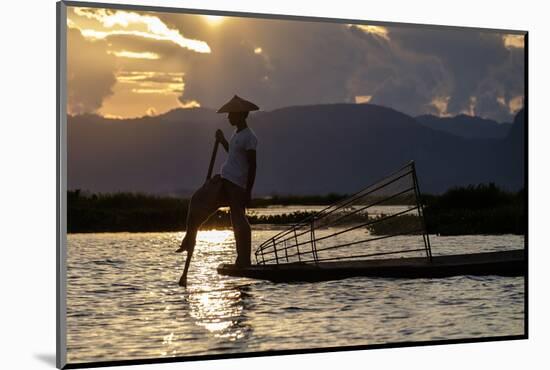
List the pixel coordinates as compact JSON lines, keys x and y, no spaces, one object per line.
{"x":251,"y":156}
{"x":221,"y":139}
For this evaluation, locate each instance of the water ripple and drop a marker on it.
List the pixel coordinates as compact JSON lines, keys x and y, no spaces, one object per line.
{"x":123,"y":301}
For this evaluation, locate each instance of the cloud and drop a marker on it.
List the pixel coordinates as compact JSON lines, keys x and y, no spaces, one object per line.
{"x":361,"y":99}
{"x":152,"y":82}
{"x":113,"y":116}
{"x":471,"y":109}
{"x":90,"y":73}
{"x":278,"y":63}
{"x":189,"y":103}
{"x":134,"y":99}
{"x":146,"y":77}
{"x":135,"y":55}
{"x":504,"y":79}
{"x":146,"y":61}
{"x":134,"y":90}
{"x":440,"y":104}
{"x":273,"y":63}
{"x":120,"y":22}
{"x":515,"y":104}
{"x":477,"y":64}
{"x":514,"y":41}
{"x":396,"y":76}
{"x":378,"y":31}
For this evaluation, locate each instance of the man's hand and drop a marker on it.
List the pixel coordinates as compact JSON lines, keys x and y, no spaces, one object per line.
{"x":219,"y":136}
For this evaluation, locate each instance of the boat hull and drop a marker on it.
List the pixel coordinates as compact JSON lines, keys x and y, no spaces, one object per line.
{"x":505,"y":263}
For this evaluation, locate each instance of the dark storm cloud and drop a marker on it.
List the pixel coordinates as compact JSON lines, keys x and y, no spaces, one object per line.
{"x":310,"y":62}
{"x":397,"y":77}
{"x":477,"y":63}
{"x":299,"y":63}
{"x":90,"y":73}
{"x":503,"y":80}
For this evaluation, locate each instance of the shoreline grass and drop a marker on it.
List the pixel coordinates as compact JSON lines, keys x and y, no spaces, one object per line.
{"x":474,"y":209}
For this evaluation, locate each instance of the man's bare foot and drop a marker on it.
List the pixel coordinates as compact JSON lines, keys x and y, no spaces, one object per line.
{"x":183,"y":247}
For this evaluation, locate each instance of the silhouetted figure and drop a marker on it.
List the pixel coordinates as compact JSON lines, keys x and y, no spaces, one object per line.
{"x":232,"y":187}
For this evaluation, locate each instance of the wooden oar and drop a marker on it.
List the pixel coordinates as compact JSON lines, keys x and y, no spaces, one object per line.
{"x":189,"y":254}
{"x":212,"y":160}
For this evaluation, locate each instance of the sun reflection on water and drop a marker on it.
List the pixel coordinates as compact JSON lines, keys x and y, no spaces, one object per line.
{"x":214,"y":236}
{"x":221,"y":310}
{"x":215,"y":303}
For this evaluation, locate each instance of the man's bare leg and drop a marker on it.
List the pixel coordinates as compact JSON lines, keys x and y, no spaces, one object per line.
{"x":195,"y":218}
{"x":190,"y":238}
{"x":203,"y":203}
{"x":242,"y":239}
{"x":241,"y":227}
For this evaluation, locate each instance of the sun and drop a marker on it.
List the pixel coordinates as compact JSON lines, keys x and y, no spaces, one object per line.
{"x":214,"y":20}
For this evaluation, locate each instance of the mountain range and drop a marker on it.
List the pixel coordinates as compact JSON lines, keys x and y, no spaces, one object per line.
{"x":314,"y":149}
{"x":470,"y":127}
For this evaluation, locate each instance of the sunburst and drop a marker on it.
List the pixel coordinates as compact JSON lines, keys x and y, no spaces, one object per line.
{"x":214,"y":20}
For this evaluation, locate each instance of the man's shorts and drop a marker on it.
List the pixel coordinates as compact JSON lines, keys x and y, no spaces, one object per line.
{"x":219,"y":192}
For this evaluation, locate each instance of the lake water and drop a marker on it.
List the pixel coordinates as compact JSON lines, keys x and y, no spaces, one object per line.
{"x":124,"y":303}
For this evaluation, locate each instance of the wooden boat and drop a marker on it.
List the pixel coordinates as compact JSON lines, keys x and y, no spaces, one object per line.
{"x":320,"y":247}
{"x":504,"y":263}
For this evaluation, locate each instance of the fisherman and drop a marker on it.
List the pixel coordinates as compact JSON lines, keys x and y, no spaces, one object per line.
{"x":233,"y":186}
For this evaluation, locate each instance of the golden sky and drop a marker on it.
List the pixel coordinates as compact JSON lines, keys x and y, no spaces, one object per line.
{"x":132,"y":63}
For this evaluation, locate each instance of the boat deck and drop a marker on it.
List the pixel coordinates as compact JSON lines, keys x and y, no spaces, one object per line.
{"x":506,"y":263}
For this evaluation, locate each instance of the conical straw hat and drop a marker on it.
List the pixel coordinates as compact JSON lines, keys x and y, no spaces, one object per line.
{"x":237,"y":104}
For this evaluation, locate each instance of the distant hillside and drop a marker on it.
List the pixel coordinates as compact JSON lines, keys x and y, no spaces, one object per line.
{"x":513,"y":150}
{"x":314,"y":149}
{"x":467,"y":126}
